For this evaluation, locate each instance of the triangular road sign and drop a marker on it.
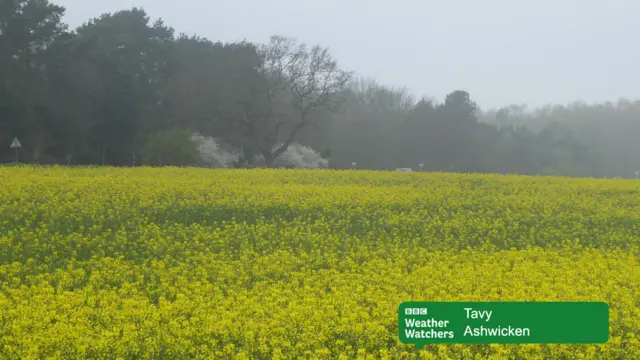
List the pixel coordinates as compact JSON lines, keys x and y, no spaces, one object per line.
{"x":16,"y":143}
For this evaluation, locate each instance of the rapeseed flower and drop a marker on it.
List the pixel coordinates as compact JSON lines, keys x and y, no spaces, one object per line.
{"x":182,"y":263}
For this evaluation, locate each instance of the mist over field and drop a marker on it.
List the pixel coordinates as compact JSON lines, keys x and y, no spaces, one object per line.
{"x":170,"y":185}
{"x":112,"y":84}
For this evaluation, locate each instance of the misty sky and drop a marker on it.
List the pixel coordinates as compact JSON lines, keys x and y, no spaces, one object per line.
{"x":500,"y":51}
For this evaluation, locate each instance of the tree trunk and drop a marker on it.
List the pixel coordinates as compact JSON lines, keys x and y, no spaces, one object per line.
{"x":69,"y":157}
{"x":268,"y":159}
{"x":133,"y":160}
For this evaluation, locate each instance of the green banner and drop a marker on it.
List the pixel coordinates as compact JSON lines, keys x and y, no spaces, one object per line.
{"x":424,"y":323}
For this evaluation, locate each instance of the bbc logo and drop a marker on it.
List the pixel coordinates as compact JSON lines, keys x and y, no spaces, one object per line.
{"x":415,"y":311}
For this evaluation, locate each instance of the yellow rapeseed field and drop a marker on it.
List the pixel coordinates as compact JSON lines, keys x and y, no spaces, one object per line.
{"x":173,"y":263}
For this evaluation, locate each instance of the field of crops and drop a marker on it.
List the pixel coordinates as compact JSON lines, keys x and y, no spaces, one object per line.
{"x":299,"y":264}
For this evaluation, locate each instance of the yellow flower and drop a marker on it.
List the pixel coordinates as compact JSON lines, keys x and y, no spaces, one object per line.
{"x":156,"y":263}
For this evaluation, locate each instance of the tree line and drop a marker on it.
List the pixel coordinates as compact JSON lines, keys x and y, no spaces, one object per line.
{"x":123,"y":90}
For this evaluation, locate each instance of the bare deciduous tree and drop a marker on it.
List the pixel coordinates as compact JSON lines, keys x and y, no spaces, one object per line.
{"x":297,"y":84}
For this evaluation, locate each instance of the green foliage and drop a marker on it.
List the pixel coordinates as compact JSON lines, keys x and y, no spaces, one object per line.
{"x":172,"y":147}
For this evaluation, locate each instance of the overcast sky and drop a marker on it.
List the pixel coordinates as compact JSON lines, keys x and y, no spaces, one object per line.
{"x":500,"y":51}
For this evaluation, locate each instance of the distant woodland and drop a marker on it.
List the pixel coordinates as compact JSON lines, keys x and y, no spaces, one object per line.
{"x":122,"y":90}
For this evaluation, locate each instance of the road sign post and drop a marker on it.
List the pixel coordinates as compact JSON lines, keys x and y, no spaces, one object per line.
{"x":15,"y":144}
